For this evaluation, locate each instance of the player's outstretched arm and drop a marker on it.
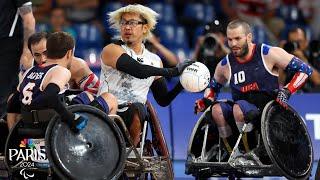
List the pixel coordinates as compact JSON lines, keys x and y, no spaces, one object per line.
{"x":161,"y":93}
{"x":115,"y":56}
{"x":221,"y":77}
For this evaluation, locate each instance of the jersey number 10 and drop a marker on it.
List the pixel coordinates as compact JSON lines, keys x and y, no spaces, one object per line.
{"x":239,"y":77}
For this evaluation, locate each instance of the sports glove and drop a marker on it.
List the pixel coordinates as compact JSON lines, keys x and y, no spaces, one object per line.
{"x":283,"y":97}
{"x":79,"y":122}
{"x":201,"y":105}
{"x":181,"y":66}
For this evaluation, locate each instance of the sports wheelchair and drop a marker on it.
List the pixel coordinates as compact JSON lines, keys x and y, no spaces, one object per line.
{"x":40,"y":146}
{"x":283,"y":141}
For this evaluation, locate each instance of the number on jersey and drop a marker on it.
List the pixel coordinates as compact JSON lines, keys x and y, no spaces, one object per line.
{"x":27,"y":93}
{"x":239,"y":77}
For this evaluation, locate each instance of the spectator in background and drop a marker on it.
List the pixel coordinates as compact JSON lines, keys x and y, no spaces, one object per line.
{"x":298,"y":45}
{"x":84,"y":11}
{"x":312,"y":8}
{"x":253,"y":11}
{"x":210,"y":47}
{"x":41,"y":9}
{"x":80,"y":11}
{"x":154,"y":45}
{"x":58,"y":22}
{"x":17,"y":23}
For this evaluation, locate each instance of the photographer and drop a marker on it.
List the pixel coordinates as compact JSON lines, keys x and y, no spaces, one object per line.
{"x":210,"y":47}
{"x":298,"y":45}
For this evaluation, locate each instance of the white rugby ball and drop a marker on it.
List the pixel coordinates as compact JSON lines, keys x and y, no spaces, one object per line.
{"x":195,"y":77}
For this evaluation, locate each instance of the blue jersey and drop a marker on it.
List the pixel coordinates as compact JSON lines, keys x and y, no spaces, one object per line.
{"x":30,"y":87}
{"x":252,"y":76}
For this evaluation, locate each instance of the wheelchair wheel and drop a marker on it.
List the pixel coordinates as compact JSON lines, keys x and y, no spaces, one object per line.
{"x":165,"y":169}
{"x":287,"y":141}
{"x":96,"y":152}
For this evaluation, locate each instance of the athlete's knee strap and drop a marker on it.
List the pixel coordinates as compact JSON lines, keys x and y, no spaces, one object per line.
{"x":101,"y":104}
{"x":81,"y":98}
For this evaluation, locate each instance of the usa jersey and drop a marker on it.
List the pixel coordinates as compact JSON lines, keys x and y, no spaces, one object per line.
{"x":31,"y":85}
{"x":252,"y":76}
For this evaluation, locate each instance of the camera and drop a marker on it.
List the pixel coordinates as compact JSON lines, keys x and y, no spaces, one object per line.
{"x":209,"y":45}
{"x":290,"y":47}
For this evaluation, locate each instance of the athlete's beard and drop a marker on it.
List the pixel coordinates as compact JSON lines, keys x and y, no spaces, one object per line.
{"x":244,"y":50}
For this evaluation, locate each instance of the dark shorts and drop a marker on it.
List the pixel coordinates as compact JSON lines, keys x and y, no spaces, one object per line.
{"x":97,"y":102}
{"x":245,"y":106}
{"x":127,"y":115}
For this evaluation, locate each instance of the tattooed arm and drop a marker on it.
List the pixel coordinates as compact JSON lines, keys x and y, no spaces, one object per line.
{"x":26,"y":14}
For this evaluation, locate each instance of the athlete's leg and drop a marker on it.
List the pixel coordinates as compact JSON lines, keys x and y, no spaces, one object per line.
{"x":12,"y":119}
{"x":112,"y":102}
{"x":134,"y":117}
{"x":244,"y":111}
{"x":220,"y":112}
{"x":135,"y":128}
{"x":13,"y":110}
{"x":82,"y":98}
{"x":105,"y":102}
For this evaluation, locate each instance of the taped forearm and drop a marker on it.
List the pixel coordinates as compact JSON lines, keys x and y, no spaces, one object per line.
{"x":90,"y":83}
{"x":127,"y":64}
{"x":161,"y":93}
{"x":302,"y":72}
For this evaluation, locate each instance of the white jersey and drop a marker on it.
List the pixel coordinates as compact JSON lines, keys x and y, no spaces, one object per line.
{"x":124,"y":86}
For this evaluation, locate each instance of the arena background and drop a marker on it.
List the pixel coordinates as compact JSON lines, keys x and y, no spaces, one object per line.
{"x":181,"y":22}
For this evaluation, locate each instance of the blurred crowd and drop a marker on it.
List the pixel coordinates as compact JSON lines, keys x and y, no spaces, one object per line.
{"x":192,"y":29}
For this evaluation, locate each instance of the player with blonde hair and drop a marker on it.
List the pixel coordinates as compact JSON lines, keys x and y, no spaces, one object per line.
{"x":129,"y":70}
